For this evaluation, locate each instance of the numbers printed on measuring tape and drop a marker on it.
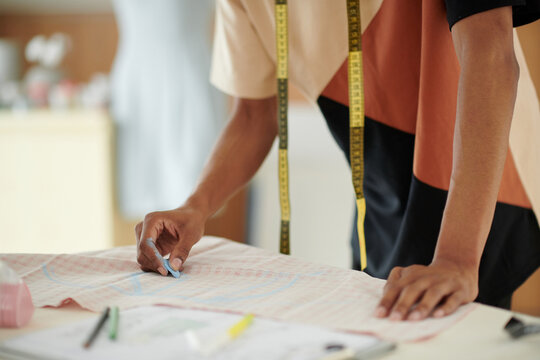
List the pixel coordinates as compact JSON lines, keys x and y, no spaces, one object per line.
{"x":356,"y":119}
{"x":283,"y":93}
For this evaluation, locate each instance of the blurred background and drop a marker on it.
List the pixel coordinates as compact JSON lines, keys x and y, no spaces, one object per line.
{"x":106,"y":113}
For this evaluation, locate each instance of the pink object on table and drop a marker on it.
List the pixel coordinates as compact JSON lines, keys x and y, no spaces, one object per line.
{"x":16,"y":307}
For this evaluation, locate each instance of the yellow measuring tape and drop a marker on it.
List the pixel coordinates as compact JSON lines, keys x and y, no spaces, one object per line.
{"x":282,"y":46}
{"x":356,"y":120}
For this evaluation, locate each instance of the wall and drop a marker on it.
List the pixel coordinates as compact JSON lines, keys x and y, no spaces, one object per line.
{"x":94,"y":37}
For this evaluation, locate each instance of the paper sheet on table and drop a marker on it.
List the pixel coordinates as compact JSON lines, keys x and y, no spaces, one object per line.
{"x":160,"y":332}
{"x":226,"y":276}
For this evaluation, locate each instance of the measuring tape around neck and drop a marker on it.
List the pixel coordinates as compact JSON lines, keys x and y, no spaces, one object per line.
{"x":356,"y":120}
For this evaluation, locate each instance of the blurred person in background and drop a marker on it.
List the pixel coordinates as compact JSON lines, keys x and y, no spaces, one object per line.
{"x":167,"y":115}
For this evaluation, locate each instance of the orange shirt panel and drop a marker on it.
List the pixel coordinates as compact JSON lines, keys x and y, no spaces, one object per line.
{"x":411,"y":75}
{"x":391,"y":56}
{"x":437,"y":110}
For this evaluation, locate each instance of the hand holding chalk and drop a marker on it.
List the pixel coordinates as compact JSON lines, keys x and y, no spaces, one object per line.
{"x":171,"y":232}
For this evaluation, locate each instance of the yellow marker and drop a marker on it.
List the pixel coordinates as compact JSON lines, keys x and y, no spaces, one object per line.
{"x":240,"y":326}
{"x":217,"y":343}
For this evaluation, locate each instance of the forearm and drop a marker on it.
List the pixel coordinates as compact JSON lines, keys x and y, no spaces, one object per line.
{"x":239,"y":152}
{"x":486,"y":97}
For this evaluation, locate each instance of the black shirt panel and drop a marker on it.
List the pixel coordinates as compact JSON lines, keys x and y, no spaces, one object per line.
{"x":524,"y":11}
{"x":404,"y":214}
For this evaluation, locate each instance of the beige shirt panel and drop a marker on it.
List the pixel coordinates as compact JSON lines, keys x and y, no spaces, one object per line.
{"x":525,"y":133}
{"x":244,"y":58}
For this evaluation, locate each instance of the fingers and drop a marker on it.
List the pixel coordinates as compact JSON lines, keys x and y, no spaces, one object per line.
{"x":149,"y":258}
{"x":391,"y":292}
{"x":395,"y":274}
{"x":450,"y":305}
{"x":390,"y":295}
{"x":409,"y":296}
{"x":414,"y":292}
{"x":431,"y":298}
{"x":147,"y":254}
{"x":142,"y":258}
{"x":138,"y":230}
{"x":151,"y":227}
{"x":181,"y":251}
{"x":157,"y":258}
{"x":174,"y":232}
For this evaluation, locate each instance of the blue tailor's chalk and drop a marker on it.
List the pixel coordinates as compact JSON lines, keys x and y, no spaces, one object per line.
{"x":165,"y":262}
{"x":153,"y":246}
{"x":173,"y":272}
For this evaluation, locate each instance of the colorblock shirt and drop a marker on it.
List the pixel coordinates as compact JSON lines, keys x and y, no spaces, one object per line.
{"x":411,"y":77}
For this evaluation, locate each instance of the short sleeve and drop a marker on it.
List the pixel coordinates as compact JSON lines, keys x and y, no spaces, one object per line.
{"x":524,"y":11}
{"x":241,"y":66}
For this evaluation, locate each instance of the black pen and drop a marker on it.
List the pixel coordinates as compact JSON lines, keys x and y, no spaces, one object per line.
{"x":97,"y":328}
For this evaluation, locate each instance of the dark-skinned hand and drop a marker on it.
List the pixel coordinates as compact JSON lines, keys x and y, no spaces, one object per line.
{"x":174,"y":232}
{"x":416,"y":292}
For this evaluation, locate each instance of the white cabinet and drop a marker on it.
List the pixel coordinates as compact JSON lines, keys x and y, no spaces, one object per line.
{"x":55,"y":181}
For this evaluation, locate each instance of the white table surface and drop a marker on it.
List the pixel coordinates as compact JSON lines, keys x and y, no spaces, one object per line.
{"x":479,"y":335}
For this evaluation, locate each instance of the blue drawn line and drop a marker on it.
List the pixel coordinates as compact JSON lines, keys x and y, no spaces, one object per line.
{"x":137,"y":289}
{"x":216,"y":299}
{"x":224,"y":299}
{"x":278,"y":277}
{"x":249,"y":297}
{"x":51,"y":275}
{"x":255,"y":287}
{"x":49,"y":272}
